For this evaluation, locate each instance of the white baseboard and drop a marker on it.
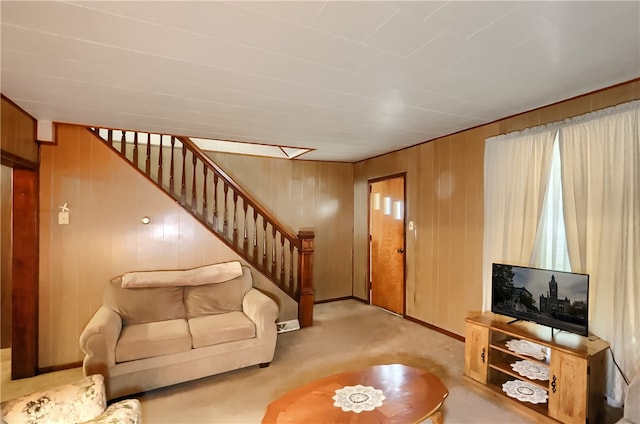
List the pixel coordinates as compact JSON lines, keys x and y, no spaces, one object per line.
{"x":285,"y":326}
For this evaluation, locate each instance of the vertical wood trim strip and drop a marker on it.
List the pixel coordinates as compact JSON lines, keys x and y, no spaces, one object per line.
{"x":183,"y":182}
{"x":305,"y":279}
{"x":147,"y":170}
{"x":215,"y":202}
{"x":135,"y":149}
{"x":160,"y":171}
{"x":194,"y":189}
{"x":235,"y":219}
{"x":123,"y":144}
{"x":204,"y":195}
{"x":24,"y":271}
{"x":225,"y":213}
{"x":171,"y":168}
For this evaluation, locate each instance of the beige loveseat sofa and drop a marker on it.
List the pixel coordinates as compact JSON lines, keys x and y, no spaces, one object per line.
{"x":167,"y":327}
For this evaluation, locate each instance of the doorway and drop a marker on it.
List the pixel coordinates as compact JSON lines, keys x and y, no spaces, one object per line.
{"x":387,"y":243}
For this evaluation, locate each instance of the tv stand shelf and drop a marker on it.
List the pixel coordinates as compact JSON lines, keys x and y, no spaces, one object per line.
{"x":576,"y":365}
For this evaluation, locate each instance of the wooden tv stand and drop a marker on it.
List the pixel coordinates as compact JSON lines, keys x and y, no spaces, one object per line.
{"x":577,"y":371}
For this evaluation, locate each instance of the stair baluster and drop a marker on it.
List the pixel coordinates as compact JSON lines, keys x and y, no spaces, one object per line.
{"x":288,"y":266}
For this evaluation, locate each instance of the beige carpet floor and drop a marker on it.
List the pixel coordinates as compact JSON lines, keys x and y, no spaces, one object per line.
{"x":346,"y":335}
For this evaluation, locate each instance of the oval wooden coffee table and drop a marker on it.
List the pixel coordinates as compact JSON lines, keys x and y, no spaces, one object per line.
{"x":410,"y":395}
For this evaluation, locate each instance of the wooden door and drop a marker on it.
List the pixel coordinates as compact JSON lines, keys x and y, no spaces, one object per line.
{"x":476,"y":352}
{"x":568,"y":387}
{"x":387,"y":241}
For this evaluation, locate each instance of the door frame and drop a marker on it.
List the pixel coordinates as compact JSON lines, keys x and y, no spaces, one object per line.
{"x":25,"y":249}
{"x":402,"y":175}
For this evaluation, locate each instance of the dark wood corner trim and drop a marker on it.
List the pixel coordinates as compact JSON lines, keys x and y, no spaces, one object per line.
{"x":14,"y":161}
{"x":53,"y":368}
{"x":407,"y":317}
{"x":434,"y":328}
{"x":335,"y":299}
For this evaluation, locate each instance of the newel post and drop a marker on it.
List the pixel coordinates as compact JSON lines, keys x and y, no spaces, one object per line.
{"x":305,"y":269}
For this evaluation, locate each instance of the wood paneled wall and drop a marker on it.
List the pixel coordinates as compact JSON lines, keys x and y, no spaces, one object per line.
{"x":105,"y":237}
{"x":17,"y":132}
{"x":5,"y":249}
{"x":444,"y":180}
{"x":306,"y":195}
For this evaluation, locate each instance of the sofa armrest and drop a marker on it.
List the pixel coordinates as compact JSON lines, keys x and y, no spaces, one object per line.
{"x":126,"y":411}
{"x":98,"y":341}
{"x":262,"y":310}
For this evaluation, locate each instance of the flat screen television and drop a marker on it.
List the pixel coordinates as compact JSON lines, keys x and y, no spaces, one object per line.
{"x":556,"y":299}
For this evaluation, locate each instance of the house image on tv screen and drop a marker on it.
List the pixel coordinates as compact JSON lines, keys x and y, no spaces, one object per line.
{"x":554,"y":307}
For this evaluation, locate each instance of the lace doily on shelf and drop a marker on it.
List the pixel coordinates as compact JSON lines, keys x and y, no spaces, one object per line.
{"x":532,"y":370}
{"x":358,"y":398}
{"x":528,"y":348}
{"x":525,"y":392}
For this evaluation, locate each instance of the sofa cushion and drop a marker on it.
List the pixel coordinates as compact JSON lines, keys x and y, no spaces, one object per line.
{"x":160,"y":338}
{"x":222,"y":328}
{"x":138,"y":306}
{"x":208,"y":274}
{"x":217,"y":298}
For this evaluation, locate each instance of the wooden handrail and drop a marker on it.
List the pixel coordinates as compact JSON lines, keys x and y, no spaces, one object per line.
{"x":216,"y":206}
{"x":253,"y":202}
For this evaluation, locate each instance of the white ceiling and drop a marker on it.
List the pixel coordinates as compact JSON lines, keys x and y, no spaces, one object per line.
{"x":351,"y":80}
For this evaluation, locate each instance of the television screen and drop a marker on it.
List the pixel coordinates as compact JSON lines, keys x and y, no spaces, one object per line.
{"x":553,"y":298}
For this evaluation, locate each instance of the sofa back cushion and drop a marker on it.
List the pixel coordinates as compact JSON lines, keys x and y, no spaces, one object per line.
{"x":141,"y":305}
{"x":217,"y":298}
{"x":215,"y":273}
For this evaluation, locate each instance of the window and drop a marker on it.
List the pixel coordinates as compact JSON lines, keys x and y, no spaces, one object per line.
{"x":551,"y":243}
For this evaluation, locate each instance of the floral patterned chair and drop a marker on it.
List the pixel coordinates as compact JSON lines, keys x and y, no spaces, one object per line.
{"x":83,"y":401}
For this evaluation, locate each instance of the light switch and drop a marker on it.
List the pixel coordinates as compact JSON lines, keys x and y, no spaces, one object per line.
{"x":63,"y":218}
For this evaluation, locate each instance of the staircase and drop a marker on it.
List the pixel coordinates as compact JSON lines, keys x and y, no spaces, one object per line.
{"x":179,"y":168}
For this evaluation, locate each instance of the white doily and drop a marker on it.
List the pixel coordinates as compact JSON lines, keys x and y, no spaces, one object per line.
{"x":533,"y":370}
{"x":528,"y":348}
{"x":524,"y":391}
{"x":358,"y":398}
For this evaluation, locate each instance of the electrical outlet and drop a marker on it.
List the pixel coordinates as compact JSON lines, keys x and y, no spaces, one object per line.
{"x":63,"y":218}
{"x":286,"y":326}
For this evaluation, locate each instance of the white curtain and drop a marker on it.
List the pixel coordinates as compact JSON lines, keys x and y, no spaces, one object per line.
{"x":516,"y":172}
{"x":600,"y":155}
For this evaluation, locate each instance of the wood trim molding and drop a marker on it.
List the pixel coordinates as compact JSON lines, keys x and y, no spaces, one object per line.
{"x":337,"y":299}
{"x":14,"y":161}
{"x":407,"y":317}
{"x":25,"y":274}
{"x":434,"y":328}
{"x":62,"y":367}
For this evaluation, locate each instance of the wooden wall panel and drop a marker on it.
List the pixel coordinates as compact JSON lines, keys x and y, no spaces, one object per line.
{"x":444,"y":261}
{"x":105,"y":238}
{"x":5,"y":249}
{"x":107,"y":200}
{"x":306,"y":195}
{"x":17,"y":131}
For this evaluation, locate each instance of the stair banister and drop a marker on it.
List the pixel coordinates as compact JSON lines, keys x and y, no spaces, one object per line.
{"x":303,"y":291}
{"x":255,"y":204}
